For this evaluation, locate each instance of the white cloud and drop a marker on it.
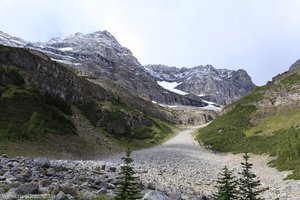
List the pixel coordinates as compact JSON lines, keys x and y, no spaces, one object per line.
{"x":260,"y":36}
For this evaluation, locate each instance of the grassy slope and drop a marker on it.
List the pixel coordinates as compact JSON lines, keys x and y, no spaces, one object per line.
{"x":278,"y":134}
{"x":32,"y":125}
{"x":139,"y":136}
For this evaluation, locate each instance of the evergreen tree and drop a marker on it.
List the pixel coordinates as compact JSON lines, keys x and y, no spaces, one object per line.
{"x":128,"y":187}
{"x":248,"y":183}
{"x":227,"y":186}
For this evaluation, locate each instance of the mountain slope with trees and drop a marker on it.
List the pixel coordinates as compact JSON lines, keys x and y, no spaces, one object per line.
{"x":38,"y":98}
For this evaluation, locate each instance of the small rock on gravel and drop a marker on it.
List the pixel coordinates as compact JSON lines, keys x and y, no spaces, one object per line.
{"x":155,"y":195}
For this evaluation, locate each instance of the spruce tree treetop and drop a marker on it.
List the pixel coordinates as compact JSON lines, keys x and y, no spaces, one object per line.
{"x":226,"y":187}
{"x":248,"y":183}
{"x":128,"y":187}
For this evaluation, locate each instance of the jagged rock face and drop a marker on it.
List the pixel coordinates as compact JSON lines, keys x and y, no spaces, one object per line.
{"x":101,"y":56}
{"x":294,"y":66}
{"x":294,"y":69}
{"x":221,"y":86}
{"x":51,"y":77}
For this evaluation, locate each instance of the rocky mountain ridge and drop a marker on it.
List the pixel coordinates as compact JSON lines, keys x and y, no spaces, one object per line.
{"x":99,"y":55}
{"x":221,"y":86}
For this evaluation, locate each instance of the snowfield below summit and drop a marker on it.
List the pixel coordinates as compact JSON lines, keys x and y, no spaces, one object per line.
{"x":171,"y":87}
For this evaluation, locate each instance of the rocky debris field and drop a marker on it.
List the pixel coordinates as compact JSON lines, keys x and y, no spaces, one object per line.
{"x":177,"y":169}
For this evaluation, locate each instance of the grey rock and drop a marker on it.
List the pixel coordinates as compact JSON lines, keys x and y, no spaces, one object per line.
{"x":68,"y":196}
{"x":28,"y":188}
{"x":155,"y":195}
{"x":42,"y":162}
{"x":10,"y":195}
{"x":44,"y":183}
{"x":294,"y":66}
{"x":112,"y":169}
{"x":88,"y":196}
{"x":151,"y":186}
{"x":103,"y":190}
{"x":110,"y":186}
{"x":24,"y":175}
{"x":68,"y":189}
{"x":60,"y":196}
{"x":44,"y":189}
{"x":1,"y":190}
{"x":54,"y":189}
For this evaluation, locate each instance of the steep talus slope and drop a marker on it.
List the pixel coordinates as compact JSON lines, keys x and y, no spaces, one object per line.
{"x":265,"y":121}
{"x":221,"y":86}
{"x":38,"y":96}
{"x":99,"y":55}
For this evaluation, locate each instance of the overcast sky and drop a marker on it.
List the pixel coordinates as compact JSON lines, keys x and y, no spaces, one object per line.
{"x":261,"y":36}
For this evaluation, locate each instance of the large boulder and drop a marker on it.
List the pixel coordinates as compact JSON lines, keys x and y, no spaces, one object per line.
{"x":42,"y":162}
{"x":88,"y":196}
{"x":28,"y":188}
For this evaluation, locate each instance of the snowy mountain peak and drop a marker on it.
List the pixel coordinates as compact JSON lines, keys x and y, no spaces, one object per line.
{"x":9,"y":40}
{"x":221,"y":86}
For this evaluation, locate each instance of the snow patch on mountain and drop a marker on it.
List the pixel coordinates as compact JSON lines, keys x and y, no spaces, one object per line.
{"x":171,"y":86}
{"x":66,"y":49}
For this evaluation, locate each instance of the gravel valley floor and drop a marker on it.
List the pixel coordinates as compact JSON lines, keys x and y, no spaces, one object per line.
{"x":180,"y":169}
{"x":181,"y":165}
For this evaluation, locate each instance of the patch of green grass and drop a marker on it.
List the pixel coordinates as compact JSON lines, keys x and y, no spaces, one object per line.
{"x":160,"y":131}
{"x":142,"y":133}
{"x":227,"y":133}
{"x":281,"y":119}
{"x":292,"y":79}
{"x":150,"y":136}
